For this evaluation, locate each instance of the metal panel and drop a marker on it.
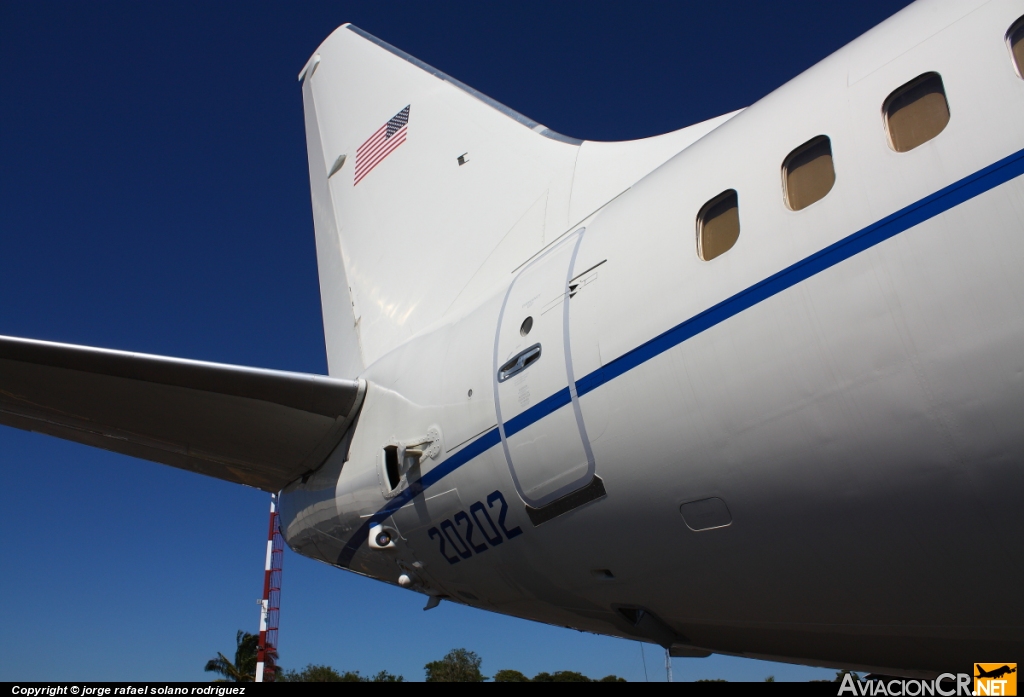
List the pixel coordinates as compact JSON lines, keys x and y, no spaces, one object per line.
{"x":263,"y":428}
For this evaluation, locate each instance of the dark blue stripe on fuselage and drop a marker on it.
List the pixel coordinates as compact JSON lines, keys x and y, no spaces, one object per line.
{"x":902,"y":220}
{"x":471,"y":451}
{"x":537,"y":412}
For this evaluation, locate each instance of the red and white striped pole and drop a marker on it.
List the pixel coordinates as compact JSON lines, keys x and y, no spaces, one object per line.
{"x":270,"y":604}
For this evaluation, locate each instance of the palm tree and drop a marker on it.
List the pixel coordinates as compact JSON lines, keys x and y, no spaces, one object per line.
{"x":244,"y":667}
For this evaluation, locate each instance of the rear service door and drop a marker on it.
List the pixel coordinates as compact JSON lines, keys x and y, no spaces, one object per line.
{"x":541,"y":427}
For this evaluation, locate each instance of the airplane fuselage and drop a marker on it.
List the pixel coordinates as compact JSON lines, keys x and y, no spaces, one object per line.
{"x":809,"y":447}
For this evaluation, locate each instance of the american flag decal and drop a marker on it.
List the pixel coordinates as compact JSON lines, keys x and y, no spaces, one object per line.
{"x":381,"y":144}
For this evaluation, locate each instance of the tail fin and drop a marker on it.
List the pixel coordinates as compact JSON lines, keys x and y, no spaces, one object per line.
{"x":414,"y":178}
{"x":426,"y":191}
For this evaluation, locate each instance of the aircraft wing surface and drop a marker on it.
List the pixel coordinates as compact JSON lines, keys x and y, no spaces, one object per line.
{"x":263,"y":428}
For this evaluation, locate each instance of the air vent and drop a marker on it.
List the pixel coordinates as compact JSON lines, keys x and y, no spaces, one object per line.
{"x":633,"y":615}
{"x":391,"y":466}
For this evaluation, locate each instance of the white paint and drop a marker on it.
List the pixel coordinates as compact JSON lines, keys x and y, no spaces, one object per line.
{"x":863,"y":426}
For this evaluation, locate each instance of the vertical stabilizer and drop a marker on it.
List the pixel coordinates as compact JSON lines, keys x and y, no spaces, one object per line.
{"x":341,"y":331}
{"x":415,"y":179}
{"x":427,"y":194}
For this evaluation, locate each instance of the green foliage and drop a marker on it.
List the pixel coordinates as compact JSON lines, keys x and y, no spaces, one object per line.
{"x":770,"y":678}
{"x":385,"y":676}
{"x":459,"y":665}
{"x":510,"y":676}
{"x":318,"y":673}
{"x":314,"y":673}
{"x":559,"y":676}
{"x":840,"y":674}
{"x":244,"y":667}
{"x":711,"y":680}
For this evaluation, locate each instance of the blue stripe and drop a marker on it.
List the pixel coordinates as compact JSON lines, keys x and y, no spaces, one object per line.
{"x":537,"y":412}
{"x":471,"y":451}
{"x":902,"y":220}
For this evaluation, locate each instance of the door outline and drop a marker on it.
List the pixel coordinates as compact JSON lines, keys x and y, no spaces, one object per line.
{"x":588,"y":476}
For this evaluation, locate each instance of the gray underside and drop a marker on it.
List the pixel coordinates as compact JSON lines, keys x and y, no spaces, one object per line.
{"x":262,"y":428}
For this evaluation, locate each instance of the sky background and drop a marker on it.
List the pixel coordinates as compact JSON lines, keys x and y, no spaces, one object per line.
{"x":154,"y":197}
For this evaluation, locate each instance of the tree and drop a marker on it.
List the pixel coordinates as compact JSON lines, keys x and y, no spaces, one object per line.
{"x":561,"y":676}
{"x":313,"y":673}
{"x":510,"y":676}
{"x":385,"y":676}
{"x":558,"y":676}
{"x":318,"y":673}
{"x":459,"y":665}
{"x":244,"y":667}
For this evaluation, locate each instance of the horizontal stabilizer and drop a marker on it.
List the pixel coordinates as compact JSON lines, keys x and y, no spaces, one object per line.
{"x":263,"y":428}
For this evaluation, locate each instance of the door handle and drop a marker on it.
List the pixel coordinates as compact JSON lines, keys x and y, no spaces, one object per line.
{"x":518,"y":363}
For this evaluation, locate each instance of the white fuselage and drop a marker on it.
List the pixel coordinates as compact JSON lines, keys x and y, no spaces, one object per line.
{"x":845,"y":385}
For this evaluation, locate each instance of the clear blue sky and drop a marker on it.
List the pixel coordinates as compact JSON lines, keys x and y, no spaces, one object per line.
{"x":154,"y":197}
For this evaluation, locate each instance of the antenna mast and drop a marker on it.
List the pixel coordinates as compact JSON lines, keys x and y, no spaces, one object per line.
{"x":270,"y":604}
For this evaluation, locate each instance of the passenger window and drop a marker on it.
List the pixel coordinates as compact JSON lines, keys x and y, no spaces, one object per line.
{"x":718,"y":225}
{"x":1015,"y":41}
{"x":916,"y":112}
{"x":808,"y":173}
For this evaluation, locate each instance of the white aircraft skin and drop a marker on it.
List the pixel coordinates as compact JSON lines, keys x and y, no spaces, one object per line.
{"x":862,"y":422}
{"x":808,"y":449}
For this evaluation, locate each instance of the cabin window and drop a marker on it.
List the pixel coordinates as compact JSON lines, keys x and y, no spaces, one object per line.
{"x":916,"y":112}
{"x":1015,"y":42}
{"x":718,"y":225}
{"x":808,"y":173}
